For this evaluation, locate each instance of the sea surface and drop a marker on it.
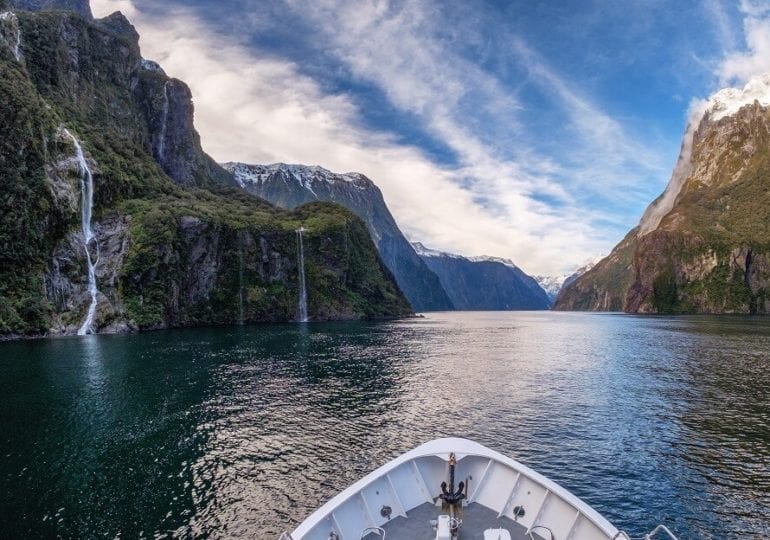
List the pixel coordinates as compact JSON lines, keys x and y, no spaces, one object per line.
{"x":242,"y":431}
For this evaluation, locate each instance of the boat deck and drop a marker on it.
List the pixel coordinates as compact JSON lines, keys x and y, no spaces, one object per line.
{"x":476,"y":519}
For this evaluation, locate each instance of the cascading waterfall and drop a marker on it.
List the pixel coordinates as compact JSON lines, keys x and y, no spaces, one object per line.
{"x":10,"y":16}
{"x":302,"y":288}
{"x":162,"y":137}
{"x":86,"y":206}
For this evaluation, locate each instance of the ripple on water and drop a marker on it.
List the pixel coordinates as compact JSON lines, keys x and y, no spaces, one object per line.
{"x":243,"y":432}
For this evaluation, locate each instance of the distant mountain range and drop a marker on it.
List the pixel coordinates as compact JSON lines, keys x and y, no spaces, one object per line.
{"x":290,"y":186}
{"x":484,"y":283}
{"x":703,"y":246}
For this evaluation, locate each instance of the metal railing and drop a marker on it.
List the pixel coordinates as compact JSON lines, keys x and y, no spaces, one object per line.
{"x":531,"y":532}
{"x":649,"y":536}
{"x":379,"y":531}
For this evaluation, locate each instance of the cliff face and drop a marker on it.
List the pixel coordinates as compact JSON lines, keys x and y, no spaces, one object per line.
{"x":174,"y":240}
{"x":708,"y":250}
{"x":289,"y":186}
{"x":158,"y":270}
{"x":96,"y":74}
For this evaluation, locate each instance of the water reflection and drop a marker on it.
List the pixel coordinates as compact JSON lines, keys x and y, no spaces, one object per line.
{"x":245,"y":430}
{"x":724,"y":410}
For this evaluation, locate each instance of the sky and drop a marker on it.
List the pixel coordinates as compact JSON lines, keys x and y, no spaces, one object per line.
{"x":531,"y":130}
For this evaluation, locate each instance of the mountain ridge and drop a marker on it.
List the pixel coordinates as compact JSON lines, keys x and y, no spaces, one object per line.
{"x":484,"y":283}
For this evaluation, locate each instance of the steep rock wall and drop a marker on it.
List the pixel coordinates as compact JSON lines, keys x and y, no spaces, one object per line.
{"x":174,"y":242}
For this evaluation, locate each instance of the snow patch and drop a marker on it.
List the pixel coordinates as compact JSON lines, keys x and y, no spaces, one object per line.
{"x":500,"y":260}
{"x":551,"y":284}
{"x":424,"y":251}
{"x":580,"y":271}
{"x":307,"y":176}
{"x":729,"y":101}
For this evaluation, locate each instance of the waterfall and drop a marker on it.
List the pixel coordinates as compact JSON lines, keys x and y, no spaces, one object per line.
{"x":87,"y":203}
{"x":302,"y":288}
{"x":162,"y":141}
{"x":10,"y":16}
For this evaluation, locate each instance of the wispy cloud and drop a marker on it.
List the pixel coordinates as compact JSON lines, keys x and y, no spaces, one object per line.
{"x":597,"y":135}
{"x":502,"y":197}
{"x":739,"y":66}
{"x":722,"y":25}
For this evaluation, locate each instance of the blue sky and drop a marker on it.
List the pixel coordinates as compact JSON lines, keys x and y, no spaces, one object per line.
{"x":536,"y":131}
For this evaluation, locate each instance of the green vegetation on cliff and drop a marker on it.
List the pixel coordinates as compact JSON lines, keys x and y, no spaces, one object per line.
{"x":30,"y":219}
{"x":177,"y":243}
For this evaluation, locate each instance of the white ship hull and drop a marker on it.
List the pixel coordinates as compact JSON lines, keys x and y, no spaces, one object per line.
{"x":499,"y":499}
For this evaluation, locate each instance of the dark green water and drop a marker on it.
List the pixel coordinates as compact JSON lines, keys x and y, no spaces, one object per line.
{"x":240,"y":432}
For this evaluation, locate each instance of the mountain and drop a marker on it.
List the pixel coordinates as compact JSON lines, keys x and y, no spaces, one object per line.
{"x":703,"y":246}
{"x":114,"y":218}
{"x":289,"y":186}
{"x":484,"y":283}
{"x":568,"y":280}
{"x":551,"y":285}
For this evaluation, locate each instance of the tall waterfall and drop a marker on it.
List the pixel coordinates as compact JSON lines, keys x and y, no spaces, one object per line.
{"x":162,"y":137}
{"x":302,"y":287}
{"x":10,"y":16}
{"x":86,"y":206}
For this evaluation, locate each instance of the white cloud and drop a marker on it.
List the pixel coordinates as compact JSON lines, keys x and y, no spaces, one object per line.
{"x":259,"y":110}
{"x":738,"y":67}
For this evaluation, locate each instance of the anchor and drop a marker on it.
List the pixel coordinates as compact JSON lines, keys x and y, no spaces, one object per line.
{"x":448,"y":524}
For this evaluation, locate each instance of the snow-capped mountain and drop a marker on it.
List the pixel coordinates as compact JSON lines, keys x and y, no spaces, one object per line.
{"x":579,"y":272}
{"x":484,"y":283}
{"x":701,"y":246}
{"x":424,"y":251}
{"x":306,"y":176}
{"x":289,"y":186}
{"x":551,"y":284}
{"x":727,"y":102}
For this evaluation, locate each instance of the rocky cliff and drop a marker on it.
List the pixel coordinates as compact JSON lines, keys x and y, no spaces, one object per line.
{"x":484,"y":283}
{"x":172,"y":239}
{"x":704,"y":245}
{"x":289,"y":186}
